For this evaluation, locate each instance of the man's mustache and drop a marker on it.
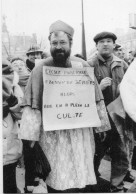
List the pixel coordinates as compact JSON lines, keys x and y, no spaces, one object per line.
{"x":59,"y":51}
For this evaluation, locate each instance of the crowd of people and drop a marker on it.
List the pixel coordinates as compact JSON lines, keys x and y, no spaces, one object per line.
{"x":68,"y":160}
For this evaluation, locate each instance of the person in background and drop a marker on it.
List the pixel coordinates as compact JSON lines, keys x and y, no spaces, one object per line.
{"x":109,"y":71}
{"x":34,"y":52}
{"x":131,"y":57}
{"x":69,"y":152}
{"x":118,"y":51}
{"x":128,"y":96}
{"x":18,"y":65}
{"x":12,"y":146}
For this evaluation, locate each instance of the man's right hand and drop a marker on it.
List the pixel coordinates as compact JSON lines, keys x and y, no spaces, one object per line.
{"x":107,"y":81}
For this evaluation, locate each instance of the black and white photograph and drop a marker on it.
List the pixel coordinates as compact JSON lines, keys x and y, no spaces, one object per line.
{"x":68,"y":96}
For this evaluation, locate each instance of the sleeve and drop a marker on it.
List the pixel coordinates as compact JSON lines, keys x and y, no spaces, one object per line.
{"x":98,"y":92}
{"x":101,"y":109}
{"x":18,"y":93}
{"x":103,"y":115}
{"x":30,"y":125}
{"x":16,"y":111}
{"x":14,"y":103}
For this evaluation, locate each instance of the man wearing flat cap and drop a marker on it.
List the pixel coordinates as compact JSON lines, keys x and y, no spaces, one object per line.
{"x":109,"y":71}
{"x":69,"y":151}
{"x":34,"y":52}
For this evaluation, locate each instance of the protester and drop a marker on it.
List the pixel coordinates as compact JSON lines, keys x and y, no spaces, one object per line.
{"x":128,"y":96}
{"x":12,"y":146}
{"x":70,"y":152}
{"x":109,"y":71}
{"x":18,"y":65}
{"x":118,"y":51}
{"x":34,"y":52}
{"x":132,"y":136}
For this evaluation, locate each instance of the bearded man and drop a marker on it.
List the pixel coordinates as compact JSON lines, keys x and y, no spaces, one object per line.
{"x":69,"y":151}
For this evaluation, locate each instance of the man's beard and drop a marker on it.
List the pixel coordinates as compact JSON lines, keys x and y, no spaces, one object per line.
{"x":60,"y":56}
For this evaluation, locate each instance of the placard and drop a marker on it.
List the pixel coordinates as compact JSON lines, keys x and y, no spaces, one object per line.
{"x":69,"y":98}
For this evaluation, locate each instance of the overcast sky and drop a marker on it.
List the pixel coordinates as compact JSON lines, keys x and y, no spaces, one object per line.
{"x":35,"y":16}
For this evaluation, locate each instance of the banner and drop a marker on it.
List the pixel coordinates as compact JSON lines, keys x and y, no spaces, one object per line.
{"x":69,"y":98}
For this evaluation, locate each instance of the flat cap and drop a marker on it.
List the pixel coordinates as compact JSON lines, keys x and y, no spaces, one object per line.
{"x":102,"y":35}
{"x":61,"y":26}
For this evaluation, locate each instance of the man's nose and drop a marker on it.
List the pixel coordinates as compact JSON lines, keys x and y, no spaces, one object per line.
{"x":58,"y":46}
{"x":105,"y":43}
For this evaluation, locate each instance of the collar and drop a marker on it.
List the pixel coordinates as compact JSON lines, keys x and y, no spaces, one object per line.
{"x":114,"y":59}
{"x":30,"y":65}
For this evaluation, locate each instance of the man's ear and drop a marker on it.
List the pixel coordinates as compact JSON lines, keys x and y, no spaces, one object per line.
{"x":96,"y":46}
{"x":71,"y":43}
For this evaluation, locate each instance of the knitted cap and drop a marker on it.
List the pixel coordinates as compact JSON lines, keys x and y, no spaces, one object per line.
{"x":61,"y":26}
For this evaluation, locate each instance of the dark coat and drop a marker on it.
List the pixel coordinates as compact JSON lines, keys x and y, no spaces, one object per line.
{"x":118,"y":68}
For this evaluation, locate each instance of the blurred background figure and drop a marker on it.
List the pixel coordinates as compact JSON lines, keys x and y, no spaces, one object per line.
{"x":19,"y":65}
{"x":34,"y":52}
{"x":131,"y":57}
{"x":116,"y":49}
{"x":12,"y":146}
{"x":119,"y":51}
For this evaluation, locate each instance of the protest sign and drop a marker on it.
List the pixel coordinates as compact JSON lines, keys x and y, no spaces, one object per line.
{"x":69,"y":98}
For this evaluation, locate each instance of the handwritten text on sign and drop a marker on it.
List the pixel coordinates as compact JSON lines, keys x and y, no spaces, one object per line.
{"x":69,"y":98}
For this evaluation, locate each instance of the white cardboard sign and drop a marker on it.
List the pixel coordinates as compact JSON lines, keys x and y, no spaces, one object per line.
{"x":69,"y":98}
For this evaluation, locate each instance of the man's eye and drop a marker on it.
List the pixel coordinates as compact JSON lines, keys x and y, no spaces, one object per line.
{"x":54,"y":43}
{"x":62,"y":43}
